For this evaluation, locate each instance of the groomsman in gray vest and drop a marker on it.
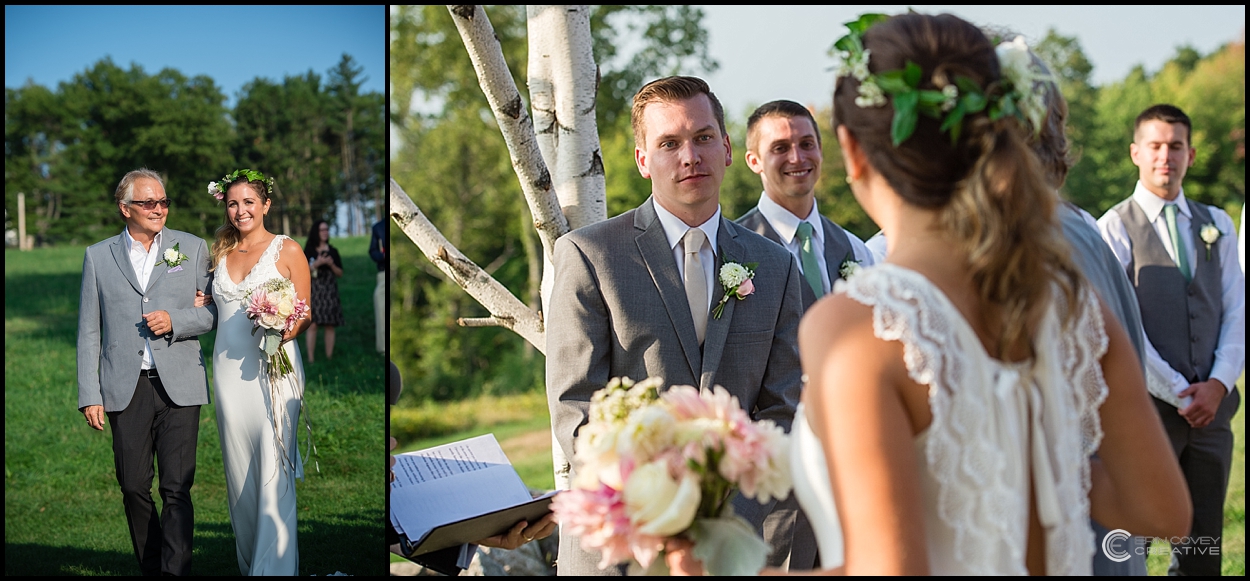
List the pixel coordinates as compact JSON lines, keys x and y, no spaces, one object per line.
{"x":1181,"y":257}
{"x":633,"y":295}
{"x":783,"y":147}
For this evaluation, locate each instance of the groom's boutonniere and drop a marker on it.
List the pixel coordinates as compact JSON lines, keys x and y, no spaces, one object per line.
{"x":736,"y":279}
{"x":850,"y":267}
{"x":174,"y":258}
{"x":1210,"y":234}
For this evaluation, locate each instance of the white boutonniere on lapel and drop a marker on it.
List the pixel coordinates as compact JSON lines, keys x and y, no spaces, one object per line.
{"x":850,"y":267}
{"x":174,"y":258}
{"x":736,"y":278}
{"x":1209,"y":234}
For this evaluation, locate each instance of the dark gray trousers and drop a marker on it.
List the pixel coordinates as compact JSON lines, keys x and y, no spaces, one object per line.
{"x":152,"y":425}
{"x":1206,"y":456}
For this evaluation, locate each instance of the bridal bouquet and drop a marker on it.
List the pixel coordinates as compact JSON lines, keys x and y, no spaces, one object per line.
{"x":273,"y":306}
{"x":654,"y":466}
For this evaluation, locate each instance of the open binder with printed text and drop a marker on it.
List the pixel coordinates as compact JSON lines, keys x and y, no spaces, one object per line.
{"x":459,"y":493}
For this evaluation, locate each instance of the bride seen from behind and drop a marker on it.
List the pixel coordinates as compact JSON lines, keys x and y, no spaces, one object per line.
{"x":957,"y":391}
{"x":963,"y":380}
{"x":256,"y":414}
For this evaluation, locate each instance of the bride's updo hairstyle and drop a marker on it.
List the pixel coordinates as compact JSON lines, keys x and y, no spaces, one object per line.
{"x":228,"y":237}
{"x":994,"y":200}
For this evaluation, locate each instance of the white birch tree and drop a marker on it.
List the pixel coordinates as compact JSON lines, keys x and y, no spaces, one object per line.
{"x":558,"y":165}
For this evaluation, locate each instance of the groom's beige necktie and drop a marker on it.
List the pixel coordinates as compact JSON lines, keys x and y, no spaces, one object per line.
{"x":696,"y":284}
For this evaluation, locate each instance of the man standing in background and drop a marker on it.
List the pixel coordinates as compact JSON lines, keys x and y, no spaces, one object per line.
{"x":1181,"y":259}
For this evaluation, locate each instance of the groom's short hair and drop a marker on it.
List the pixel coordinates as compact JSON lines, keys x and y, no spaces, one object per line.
{"x":668,"y":90}
{"x":125,"y":192}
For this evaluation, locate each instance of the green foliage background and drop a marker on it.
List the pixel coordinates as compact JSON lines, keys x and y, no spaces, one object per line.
{"x":452,"y":160}
{"x":66,"y":149}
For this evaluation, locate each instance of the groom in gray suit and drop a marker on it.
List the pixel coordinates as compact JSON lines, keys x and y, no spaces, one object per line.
{"x":139,"y":363}
{"x":633,"y":295}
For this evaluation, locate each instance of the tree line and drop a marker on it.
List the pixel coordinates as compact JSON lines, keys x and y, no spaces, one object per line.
{"x":319,"y":136}
{"x":454,"y":164}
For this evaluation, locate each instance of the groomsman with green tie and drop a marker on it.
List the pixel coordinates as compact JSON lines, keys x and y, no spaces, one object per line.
{"x":783,"y":147}
{"x":1181,"y":257}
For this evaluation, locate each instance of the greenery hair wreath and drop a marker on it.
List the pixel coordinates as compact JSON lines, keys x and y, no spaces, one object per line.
{"x":1019,"y":93}
{"x":218,"y":189}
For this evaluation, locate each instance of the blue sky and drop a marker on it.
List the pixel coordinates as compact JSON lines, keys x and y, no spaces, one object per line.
{"x":779,"y":52}
{"x":232,"y":44}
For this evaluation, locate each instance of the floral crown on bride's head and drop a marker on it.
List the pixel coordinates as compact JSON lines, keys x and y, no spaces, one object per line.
{"x":1018,"y":93}
{"x":218,"y":189}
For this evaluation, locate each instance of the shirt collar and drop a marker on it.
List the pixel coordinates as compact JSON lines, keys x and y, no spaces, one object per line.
{"x":675,"y":229}
{"x":786,"y":224}
{"x":130,"y":241}
{"x":1153,"y":205}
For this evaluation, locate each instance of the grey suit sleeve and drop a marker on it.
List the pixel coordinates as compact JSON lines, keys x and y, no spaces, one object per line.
{"x":89,"y":324}
{"x":782,"y":386}
{"x":578,"y":342}
{"x":193,"y":321}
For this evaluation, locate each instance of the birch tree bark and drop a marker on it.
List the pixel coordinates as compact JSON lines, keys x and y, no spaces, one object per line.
{"x":506,"y":310}
{"x":563,"y":80}
{"x":514,"y":122}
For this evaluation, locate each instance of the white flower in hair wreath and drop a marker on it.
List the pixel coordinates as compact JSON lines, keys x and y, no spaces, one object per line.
{"x":1209,"y":234}
{"x":218,"y":189}
{"x":172,"y":256}
{"x":1018,"y":95}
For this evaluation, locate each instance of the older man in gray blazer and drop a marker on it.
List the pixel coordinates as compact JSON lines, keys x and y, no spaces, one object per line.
{"x":633,"y":295}
{"x":139,"y":362}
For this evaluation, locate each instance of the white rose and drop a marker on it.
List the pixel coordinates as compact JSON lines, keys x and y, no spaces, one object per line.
{"x":272,"y":320}
{"x":657,"y":503}
{"x":1210,"y":233}
{"x":171,"y":255}
{"x":732,"y":274}
{"x":286,"y":306}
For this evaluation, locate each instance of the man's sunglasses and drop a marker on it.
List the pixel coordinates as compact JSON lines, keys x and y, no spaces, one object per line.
{"x":151,"y":204}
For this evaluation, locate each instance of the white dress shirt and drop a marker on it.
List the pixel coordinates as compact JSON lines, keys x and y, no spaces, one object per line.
{"x":876,"y":245}
{"x":786,"y":225}
{"x":144,"y":262}
{"x":675,"y":230}
{"x":1230,"y":351}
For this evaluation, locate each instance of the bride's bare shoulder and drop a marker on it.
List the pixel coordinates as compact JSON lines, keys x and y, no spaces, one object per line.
{"x":834,"y":317}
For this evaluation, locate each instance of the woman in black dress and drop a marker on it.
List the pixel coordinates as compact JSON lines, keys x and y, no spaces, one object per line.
{"x":327,"y":267}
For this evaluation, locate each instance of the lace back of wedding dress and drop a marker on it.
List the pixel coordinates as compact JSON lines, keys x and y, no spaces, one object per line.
{"x":975,"y":457}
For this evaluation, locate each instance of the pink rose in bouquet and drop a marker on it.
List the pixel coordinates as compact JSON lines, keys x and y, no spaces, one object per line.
{"x":274,"y":307}
{"x":652,"y":466}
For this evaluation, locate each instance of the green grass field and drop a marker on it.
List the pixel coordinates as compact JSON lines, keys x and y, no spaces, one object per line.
{"x":62,"y":506}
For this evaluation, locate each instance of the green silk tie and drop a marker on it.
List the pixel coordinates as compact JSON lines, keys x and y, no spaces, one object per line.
{"x":1178,"y":241}
{"x":811,"y":268}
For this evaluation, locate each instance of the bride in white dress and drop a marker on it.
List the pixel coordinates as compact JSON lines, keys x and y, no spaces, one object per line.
{"x":957,"y":392}
{"x":256,"y":420}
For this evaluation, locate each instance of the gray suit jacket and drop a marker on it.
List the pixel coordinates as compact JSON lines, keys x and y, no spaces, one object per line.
{"x":837,"y":247}
{"x":111,"y":329}
{"x":618,"y":309}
